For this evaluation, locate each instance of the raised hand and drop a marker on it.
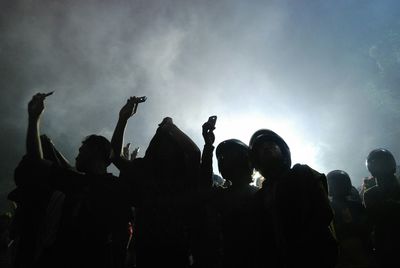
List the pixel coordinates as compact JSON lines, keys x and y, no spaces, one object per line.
{"x":125,"y":151}
{"x":208,"y":133}
{"x":135,"y":153}
{"x":35,"y":109}
{"x":117,"y":141}
{"x":36,"y":105}
{"x":130,"y":108}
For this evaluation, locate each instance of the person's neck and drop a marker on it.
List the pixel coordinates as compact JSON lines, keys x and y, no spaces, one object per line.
{"x":97,"y":169}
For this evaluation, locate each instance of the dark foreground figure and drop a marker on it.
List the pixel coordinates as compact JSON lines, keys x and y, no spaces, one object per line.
{"x":234,"y":204}
{"x":82,"y":216}
{"x":163,"y":189}
{"x":382,"y":202}
{"x":93,"y":215}
{"x":295,"y":213}
{"x":352,"y":227}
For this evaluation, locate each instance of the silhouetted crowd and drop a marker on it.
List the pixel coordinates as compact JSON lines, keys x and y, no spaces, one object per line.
{"x":169,"y":209}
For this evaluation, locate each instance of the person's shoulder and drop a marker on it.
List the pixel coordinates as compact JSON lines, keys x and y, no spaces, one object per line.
{"x":306,"y":172}
{"x":134,"y":165}
{"x":372,"y":192}
{"x":306,"y":175}
{"x":303,"y":168}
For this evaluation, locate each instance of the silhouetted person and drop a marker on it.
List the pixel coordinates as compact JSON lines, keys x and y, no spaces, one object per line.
{"x":233,"y":202}
{"x":38,"y":212}
{"x":351,"y":224}
{"x":355,"y":195}
{"x":382,"y":202}
{"x":92,"y":231}
{"x":236,"y":204}
{"x":297,"y":214}
{"x":163,"y":186}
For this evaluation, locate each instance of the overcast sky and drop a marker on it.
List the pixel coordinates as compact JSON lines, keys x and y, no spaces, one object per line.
{"x":323,"y":74}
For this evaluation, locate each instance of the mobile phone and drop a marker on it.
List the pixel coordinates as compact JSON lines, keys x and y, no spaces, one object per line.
{"x":212,"y":120}
{"x":141,"y":99}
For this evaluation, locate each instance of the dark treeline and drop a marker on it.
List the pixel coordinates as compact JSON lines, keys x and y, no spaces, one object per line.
{"x":169,"y":209}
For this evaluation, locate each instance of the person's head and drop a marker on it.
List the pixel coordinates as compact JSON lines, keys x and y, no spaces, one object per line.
{"x":381,"y":163}
{"x":172,"y":151}
{"x":339,"y":183}
{"x":164,"y":151}
{"x":94,"y":154}
{"x":234,"y":161}
{"x":269,"y":153}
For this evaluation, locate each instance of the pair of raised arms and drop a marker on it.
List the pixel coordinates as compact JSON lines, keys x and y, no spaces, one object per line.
{"x":36,"y":107}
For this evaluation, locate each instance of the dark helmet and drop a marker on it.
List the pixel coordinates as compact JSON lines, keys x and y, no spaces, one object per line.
{"x":264,"y":135}
{"x":234,"y":154}
{"x":381,"y":162}
{"x":339,"y":183}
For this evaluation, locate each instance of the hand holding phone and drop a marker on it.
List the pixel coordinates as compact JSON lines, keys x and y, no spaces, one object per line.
{"x":208,"y":130}
{"x":212,"y":120}
{"x":36,"y":104}
{"x":129,"y":109}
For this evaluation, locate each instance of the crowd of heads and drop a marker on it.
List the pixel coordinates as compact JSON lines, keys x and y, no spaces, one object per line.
{"x":169,"y":208}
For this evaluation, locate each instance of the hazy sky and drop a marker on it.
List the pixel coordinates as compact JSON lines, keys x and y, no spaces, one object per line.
{"x":323,"y":74}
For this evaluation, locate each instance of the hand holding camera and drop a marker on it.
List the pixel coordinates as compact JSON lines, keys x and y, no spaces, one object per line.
{"x":36,"y":105}
{"x":129,"y":109}
{"x":208,"y":130}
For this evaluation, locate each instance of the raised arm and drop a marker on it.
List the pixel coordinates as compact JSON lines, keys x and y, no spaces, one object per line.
{"x":117,"y":141}
{"x":35,"y":109}
{"x":206,"y":157}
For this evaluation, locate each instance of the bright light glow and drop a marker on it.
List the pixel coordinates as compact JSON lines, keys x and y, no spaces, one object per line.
{"x":243,"y":126}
